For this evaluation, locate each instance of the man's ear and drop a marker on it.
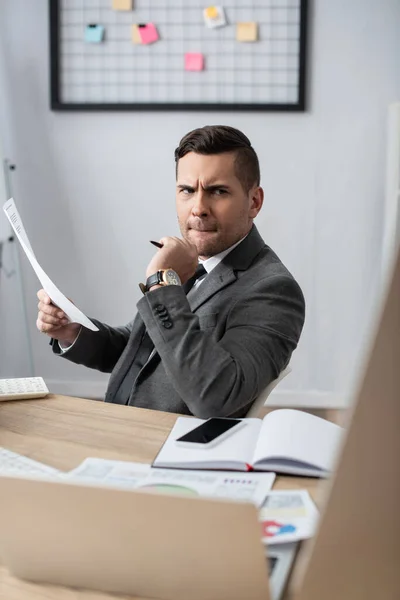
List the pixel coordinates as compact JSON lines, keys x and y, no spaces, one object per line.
{"x":256,"y":201}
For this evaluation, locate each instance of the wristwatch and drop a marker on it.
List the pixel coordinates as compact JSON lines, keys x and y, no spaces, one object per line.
{"x":163,"y":277}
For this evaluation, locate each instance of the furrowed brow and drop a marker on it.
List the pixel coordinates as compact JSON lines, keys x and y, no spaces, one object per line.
{"x":216,"y":186}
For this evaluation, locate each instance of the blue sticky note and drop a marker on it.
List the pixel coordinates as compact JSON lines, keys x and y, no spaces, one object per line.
{"x":94,"y":34}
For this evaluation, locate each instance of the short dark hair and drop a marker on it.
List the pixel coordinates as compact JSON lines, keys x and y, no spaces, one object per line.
{"x":217,"y":139}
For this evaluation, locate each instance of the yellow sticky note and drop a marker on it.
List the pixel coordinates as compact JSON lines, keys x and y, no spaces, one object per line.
{"x":247,"y":32}
{"x":211,"y":12}
{"x":122,"y":4}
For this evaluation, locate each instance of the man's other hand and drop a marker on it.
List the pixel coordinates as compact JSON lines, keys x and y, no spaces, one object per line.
{"x":179,"y":255}
{"x":54,"y":322}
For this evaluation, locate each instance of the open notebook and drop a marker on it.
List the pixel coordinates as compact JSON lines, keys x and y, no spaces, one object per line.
{"x":285,"y":441}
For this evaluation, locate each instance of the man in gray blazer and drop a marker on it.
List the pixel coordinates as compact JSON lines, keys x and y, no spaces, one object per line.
{"x":220,"y":315}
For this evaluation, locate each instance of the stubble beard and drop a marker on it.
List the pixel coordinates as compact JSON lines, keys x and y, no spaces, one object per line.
{"x":204,"y":248}
{"x":208,"y":248}
{"x":218,"y":243}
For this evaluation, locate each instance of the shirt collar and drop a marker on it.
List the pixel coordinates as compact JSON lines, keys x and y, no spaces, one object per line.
{"x":210,"y":263}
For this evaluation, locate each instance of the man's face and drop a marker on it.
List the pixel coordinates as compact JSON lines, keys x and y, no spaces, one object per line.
{"x":214,"y":211}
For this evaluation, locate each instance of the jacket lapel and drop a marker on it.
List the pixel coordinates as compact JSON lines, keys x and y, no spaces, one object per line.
{"x":219,"y":278}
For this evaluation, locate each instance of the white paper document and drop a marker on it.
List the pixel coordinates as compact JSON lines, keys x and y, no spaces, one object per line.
{"x":57,"y":297}
{"x":288,"y":516}
{"x":12,"y":463}
{"x":222,"y":484}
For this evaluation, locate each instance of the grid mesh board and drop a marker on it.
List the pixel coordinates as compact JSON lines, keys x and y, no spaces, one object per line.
{"x":266,"y":74}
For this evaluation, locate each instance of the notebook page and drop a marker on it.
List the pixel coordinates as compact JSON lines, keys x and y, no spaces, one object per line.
{"x":298,"y":436}
{"x":237,"y":447}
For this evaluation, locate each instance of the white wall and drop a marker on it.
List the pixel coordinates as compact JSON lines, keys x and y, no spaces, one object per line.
{"x":13,"y":315}
{"x":94,"y":188}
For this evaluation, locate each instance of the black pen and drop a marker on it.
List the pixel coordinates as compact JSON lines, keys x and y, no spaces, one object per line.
{"x":156,"y":244}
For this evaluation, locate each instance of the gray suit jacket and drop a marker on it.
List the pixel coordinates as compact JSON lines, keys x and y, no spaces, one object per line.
{"x":218,"y":347}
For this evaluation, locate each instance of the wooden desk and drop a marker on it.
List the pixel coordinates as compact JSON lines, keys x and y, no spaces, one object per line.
{"x":62,"y":431}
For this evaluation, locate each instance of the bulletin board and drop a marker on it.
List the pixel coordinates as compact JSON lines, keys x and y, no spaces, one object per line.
{"x":118,"y":74}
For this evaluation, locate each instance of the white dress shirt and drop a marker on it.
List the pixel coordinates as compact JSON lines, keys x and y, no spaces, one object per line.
{"x":210,"y":263}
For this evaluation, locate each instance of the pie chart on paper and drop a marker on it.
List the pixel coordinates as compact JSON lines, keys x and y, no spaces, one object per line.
{"x":167,"y":488}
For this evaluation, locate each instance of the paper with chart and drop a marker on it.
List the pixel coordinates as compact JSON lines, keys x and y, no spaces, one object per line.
{"x":217,"y":484}
{"x":57,"y":297}
{"x":288,"y":516}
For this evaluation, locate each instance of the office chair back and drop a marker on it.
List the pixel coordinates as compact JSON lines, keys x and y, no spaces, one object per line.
{"x":261,"y":400}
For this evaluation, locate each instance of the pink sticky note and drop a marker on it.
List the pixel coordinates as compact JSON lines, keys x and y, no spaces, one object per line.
{"x":148,"y":33}
{"x":194,"y":61}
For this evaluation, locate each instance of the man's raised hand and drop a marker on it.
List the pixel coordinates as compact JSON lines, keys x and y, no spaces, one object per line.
{"x":54,"y":322}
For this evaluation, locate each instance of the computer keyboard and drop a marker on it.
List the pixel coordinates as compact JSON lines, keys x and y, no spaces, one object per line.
{"x":23,"y":388}
{"x":13,"y":463}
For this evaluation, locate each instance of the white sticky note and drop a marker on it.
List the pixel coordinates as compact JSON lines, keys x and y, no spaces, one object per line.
{"x":57,"y":297}
{"x":214,"y":16}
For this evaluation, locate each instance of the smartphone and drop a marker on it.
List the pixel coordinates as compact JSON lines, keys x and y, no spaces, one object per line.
{"x":210,"y":433}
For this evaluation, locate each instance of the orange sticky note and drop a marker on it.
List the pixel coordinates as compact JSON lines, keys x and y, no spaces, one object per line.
{"x":136,"y":39}
{"x":194,"y":61}
{"x":247,"y":32}
{"x":122,"y":4}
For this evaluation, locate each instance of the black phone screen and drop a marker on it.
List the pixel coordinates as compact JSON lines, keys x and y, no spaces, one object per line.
{"x":208,"y":431}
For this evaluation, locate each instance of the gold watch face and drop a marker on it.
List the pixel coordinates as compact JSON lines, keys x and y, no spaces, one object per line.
{"x":171,"y":277}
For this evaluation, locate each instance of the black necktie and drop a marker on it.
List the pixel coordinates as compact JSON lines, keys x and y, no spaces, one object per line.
{"x":199,"y":272}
